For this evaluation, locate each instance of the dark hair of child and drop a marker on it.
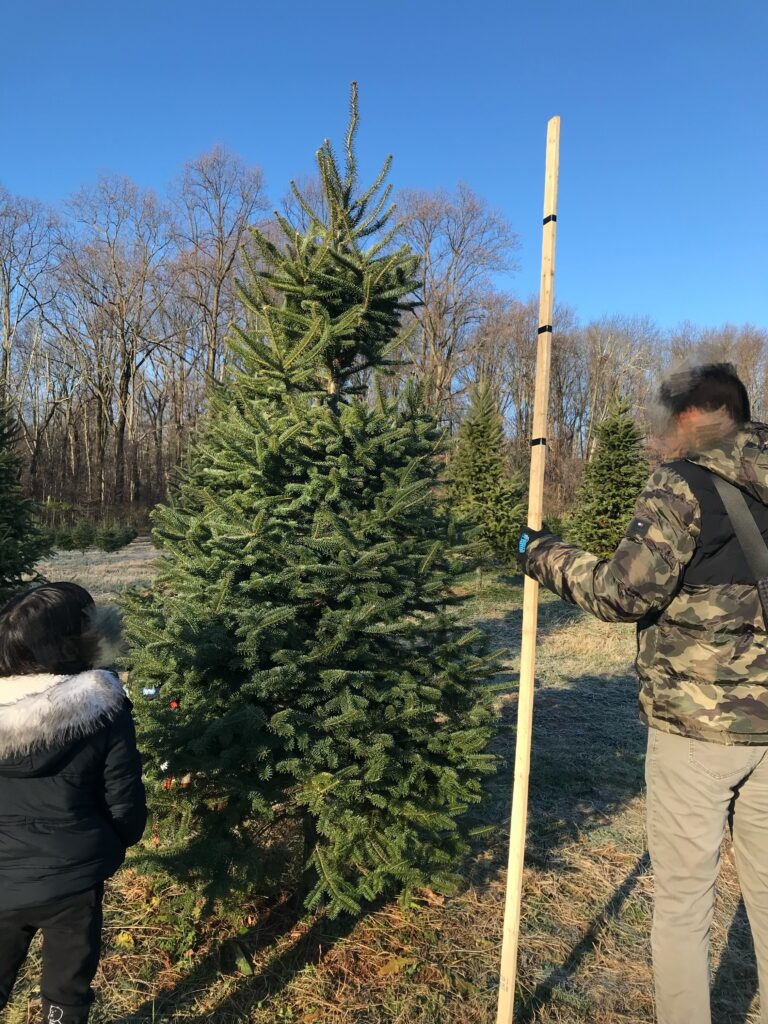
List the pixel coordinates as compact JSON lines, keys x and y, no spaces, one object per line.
{"x":46,"y":629}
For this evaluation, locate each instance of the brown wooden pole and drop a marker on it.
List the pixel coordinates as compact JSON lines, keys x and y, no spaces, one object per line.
{"x":517,"y":830}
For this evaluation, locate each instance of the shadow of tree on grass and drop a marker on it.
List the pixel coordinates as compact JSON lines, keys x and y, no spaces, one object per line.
{"x":297,"y":944}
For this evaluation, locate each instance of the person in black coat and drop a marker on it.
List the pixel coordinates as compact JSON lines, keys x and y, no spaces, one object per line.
{"x":71,"y":795}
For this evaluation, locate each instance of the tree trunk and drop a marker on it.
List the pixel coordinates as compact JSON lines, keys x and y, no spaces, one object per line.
{"x":123,"y":395}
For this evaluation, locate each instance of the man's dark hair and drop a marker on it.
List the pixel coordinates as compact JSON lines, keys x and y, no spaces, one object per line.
{"x":709,"y":386}
{"x":45,"y":629}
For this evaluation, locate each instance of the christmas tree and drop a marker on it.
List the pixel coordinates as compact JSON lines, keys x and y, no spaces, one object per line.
{"x":21,"y":541}
{"x":300,"y":669}
{"x":483,"y":490}
{"x":612,"y":482}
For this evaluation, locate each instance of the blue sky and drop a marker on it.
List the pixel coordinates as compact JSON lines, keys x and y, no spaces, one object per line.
{"x":664,"y":151}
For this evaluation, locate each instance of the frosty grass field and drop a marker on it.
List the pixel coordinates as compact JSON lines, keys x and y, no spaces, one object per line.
{"x":587,"y":888}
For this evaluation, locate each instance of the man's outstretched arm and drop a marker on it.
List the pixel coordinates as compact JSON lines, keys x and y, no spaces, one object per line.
{"x":645,"y":571}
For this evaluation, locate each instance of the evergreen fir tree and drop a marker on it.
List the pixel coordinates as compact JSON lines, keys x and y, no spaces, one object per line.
{"x":299,"y":662}
{"x":21,"y":540}
{"x":612,"y":482}
{"x":483,"y":490}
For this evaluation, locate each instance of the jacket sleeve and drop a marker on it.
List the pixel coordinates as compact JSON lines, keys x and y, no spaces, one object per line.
{"x":645,"y":571}
{"x":123,"y":789}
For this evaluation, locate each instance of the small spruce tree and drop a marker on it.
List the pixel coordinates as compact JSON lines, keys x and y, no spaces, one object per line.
{"x":21,"y":540}
{"x":299,"y":664}
{"x":613,"y":479}
{"x":490,"y":497}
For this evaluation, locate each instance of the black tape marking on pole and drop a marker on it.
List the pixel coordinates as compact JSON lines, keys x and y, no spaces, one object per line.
{"x":552,"y":217}
{"x":545,"y":329}
{"x":538,"y":440}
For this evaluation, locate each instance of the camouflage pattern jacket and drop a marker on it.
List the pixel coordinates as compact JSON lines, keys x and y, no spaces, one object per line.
{"x":702,"y":652}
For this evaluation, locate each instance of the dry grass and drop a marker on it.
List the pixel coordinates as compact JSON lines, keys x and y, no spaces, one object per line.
{"x":587,"y":899}
{"x":104,"y":575}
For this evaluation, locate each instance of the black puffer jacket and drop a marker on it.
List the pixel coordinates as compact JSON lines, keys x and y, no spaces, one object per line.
{"x":71,"y":796}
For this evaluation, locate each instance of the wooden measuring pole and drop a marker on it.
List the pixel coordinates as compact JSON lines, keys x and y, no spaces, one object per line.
{"x":508,"y":972}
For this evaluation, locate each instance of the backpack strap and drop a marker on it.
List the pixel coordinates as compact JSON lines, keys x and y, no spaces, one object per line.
{"x":744,"y":526}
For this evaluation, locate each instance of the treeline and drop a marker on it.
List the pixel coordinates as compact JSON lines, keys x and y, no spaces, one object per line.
{"x":115,"y":310}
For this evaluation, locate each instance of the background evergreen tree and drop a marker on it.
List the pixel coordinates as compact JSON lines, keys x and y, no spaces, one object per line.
{"x":21,"y":540}
{"x":490,"y":497}
{"x":303,"y":668}
{"x":613,"y":479}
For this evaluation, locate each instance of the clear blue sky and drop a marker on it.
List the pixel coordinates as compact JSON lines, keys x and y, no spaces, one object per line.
{"x":664,"y":153}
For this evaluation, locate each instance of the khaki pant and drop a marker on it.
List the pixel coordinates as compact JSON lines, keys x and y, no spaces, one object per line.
{"x":693,"y":786}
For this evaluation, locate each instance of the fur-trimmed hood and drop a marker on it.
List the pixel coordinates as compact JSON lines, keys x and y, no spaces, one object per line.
{"x":46,"y":712}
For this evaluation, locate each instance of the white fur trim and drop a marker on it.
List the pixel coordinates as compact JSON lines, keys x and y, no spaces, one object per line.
{"x":44,"y":710}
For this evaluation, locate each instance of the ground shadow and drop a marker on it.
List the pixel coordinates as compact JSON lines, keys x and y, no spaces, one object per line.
{"x":299,"y":944}
{"x":735,"y":983}
{"x":526,"y":1012}
{"x":587,"y":764}
{"x":310,"y":948}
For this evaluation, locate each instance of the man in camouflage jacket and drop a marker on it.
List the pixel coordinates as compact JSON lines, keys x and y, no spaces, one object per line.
{"x":702,"y":659}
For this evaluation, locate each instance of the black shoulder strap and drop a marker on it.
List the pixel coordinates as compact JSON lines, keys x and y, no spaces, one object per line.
{"x":744,"y":526}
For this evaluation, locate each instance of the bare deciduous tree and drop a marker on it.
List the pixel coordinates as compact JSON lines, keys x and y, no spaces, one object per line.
{"x":26,"y":246}
{"x":113,"y":281}
{"x":462,"y":243}
{"x":113,"y":318}
{"x":621,"y":353}
{"x":218,"y":197}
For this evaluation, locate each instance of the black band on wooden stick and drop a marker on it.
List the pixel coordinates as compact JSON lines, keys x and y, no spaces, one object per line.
{"x":545,"y":329}
{"x":552,"y":217}
{"x":538,"y":440}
